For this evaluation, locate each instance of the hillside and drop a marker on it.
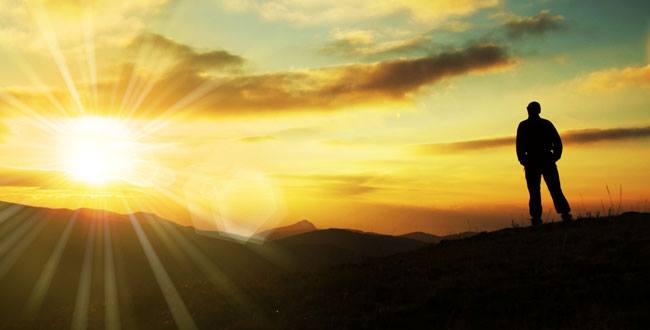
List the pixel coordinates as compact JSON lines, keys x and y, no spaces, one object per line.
{"x":592,"y":274}
{"x":45,"y":267}
{"x":64,"y":267}
{"x":328,"y":247}
{"x":49,"y":258}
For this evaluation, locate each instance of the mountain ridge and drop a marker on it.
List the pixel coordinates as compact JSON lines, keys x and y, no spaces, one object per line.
{"x":296,"y":228}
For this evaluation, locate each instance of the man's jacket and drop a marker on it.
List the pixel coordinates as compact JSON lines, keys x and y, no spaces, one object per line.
{"x":538,"y":142}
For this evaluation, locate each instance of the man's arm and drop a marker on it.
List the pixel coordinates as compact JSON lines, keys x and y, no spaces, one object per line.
{"x":557,"y":142}
{"x":521,"y":152}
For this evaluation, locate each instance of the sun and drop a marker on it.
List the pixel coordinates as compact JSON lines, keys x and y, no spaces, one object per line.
{"x":97,"y":150}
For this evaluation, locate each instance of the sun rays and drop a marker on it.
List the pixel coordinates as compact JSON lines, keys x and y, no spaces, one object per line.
{"x":104,"y":160}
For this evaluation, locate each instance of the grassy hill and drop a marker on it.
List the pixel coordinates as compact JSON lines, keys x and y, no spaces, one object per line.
{"x":592,"y":274}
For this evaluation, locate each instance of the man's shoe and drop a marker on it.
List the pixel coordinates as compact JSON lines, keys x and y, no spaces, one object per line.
{"x":567,"y":217}
{"x":536,"y":221}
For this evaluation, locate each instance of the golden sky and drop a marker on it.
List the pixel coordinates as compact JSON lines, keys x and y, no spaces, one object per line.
{"x":387,"y":116}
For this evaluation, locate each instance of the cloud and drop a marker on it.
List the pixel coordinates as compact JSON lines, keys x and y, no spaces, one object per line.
{"x":22,"y":23}
{"x":470,"y":145}
{"x":304,"y":132}
{"x":355,"y":43}
{"x":351,"y":85}
{"x":539,"y":24}
{"x":51,"y":179}
{"x":349,"y":42}
{"x":185,"y":57}
{"x":384,"y":43}
{"x":71,"y":9}
{"x":399,"y":77}
{"x":336,"y":184}
{"x":379,"y":44}
{"x":612,"y":134}
{"x":299,"y":132}
{"x":30,"y":178}
{"x":583,"y":136}
{"x":323,"y":11}
{"x":255,"y":139}
{"x":211,"y":82}
{"x":614,"y":79}
{"x":329,"y":88}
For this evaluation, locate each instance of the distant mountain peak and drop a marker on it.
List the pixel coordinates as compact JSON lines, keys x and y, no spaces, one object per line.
{"x":300,"y":227}
{"x":303,"y":223}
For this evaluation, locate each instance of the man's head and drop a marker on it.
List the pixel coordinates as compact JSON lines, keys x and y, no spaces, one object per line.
{"x":534,"y":109}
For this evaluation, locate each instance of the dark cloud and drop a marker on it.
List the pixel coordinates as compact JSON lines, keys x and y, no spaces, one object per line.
{"x":612,"y":134}
{"x":534,"y":25}
{"x":583,"y":136}
{"x":399,"y":77}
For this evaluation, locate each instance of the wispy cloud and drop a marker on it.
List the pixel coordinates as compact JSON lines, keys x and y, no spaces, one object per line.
{"x":113,"y":22}
{"x":470,"y":145}
{"x":614,"y":79}
{"x":336,"y":184}
{"x":364,"y":43}
{"x":583,"y":136}
{"x":185,"y":57}
{"x":255,"y":139}
{"x":30,"y":178}
{"x":539,"y":24}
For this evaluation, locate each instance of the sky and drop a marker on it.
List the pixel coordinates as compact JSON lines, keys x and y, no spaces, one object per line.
{"x":385,"y":116}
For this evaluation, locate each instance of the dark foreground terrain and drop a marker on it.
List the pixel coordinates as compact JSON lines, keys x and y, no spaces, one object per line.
{"x":593,"y":274}
{"x":93,"y":269}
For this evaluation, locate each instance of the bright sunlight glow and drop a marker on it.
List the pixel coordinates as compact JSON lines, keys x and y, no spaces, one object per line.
{"x":97,"y":150}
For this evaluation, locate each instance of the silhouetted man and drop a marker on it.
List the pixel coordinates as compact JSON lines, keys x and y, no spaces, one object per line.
{"x":538,"y":148}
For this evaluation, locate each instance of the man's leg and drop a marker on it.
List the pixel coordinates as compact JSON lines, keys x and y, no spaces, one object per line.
{"x":533,"y":180}
{"x":552,"y":179}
